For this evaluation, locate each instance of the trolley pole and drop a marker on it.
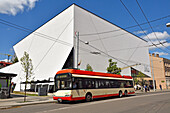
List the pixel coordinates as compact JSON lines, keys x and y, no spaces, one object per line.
{"x":153,"y":74}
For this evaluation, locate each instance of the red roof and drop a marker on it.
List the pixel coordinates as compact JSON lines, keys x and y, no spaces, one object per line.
{"x":82,"y":72}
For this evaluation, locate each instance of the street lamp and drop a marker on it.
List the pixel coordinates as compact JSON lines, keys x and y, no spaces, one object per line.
{"x":168,"y":25}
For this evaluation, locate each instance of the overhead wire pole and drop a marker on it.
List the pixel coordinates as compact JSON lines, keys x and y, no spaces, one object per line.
{"x":153,"y":73}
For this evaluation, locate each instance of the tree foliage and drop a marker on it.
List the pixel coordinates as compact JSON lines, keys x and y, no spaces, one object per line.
{"x":89,"y":68}
{"x":139,"y":79}
{"x":113,"y":67}
{"x":26,"y":63}
{"x":141,"y":75}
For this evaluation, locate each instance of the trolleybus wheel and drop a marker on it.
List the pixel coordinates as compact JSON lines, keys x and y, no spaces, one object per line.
{"x":120,"y":94}
{"x":126,"y":94}
{"x":88,"y":97}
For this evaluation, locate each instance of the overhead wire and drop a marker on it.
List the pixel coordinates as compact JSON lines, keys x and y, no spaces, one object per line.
{"x":53,"y":44}
{"x":98,"y":34}
{"x":104,"y":53}
{"x":87,"y":50}
{"x":37,"y":33}
{"x":141,"y":27}
{"x":41,"y":34}
{"x":150,"y":24}
{"x":60,"y":41}
{"x":104,"y":32}
{"x":49,"y":38}
{"x":121,"y":34}
{"x":54,"y":39}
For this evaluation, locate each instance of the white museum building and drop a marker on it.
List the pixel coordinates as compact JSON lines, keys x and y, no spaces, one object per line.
{"x":78,"y":36}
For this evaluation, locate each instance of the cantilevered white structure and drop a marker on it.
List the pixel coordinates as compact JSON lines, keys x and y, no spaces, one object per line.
{"x":57,"y":45}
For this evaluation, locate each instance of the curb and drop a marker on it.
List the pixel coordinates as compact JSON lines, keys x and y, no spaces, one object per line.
{"x":25,"y":104}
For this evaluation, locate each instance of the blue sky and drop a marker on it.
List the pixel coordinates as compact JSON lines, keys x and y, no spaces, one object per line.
{"x":32,"y":14}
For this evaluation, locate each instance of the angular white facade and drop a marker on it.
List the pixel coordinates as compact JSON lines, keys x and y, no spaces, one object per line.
{"x":127,"y":48}
{"x":50,"y":45}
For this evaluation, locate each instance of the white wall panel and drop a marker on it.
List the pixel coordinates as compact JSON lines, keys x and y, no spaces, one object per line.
{"x":48,"y":47}
{"x":119,"y":44}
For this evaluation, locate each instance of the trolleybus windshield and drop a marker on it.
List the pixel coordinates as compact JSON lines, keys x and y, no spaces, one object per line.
{"x":63,"y":81}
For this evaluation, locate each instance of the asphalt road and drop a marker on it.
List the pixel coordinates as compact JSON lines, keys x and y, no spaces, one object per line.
{"x":141,"y":103}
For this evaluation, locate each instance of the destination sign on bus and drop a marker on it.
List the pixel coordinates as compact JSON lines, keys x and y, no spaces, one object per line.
{"x":62,"y":76}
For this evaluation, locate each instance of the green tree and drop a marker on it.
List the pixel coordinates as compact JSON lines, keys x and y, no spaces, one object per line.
{"x":141,"y":76}
{"x":113,"y":67}
{"x":136,"y":81}
{"x":89,"y":68}
{"x":26,"y":63}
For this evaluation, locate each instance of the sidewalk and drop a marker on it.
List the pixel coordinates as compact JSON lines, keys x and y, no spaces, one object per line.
{"x":18,"y":100}
{"x":157,"y":90}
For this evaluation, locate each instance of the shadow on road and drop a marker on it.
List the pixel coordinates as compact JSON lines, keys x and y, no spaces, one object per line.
{"x":98,"y":99}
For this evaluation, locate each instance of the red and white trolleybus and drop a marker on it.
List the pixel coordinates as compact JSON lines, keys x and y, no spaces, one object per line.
{"x":72,"y":85}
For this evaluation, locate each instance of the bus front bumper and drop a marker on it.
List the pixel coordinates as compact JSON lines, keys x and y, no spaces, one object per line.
{"x":69,"y":98}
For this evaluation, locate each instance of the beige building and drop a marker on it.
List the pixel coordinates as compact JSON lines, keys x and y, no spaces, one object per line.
{"x":161,"y":71}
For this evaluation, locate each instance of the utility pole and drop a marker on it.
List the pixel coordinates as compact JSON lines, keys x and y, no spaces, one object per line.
{"x":77,"y":49}
{"x":153,"y":73}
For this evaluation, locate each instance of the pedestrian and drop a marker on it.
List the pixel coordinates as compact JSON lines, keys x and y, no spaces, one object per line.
{"x":148,"y":88}
{"x":135,"y":87}
{"x":160,"y":87}
{"x":145,"y":88}
{"x":12,"y":86}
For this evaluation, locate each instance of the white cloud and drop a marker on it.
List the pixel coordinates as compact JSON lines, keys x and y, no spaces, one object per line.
{"x":161,"y":53}
{"x":160,"y":35}
{"x":12,"y":7}
{"x":140,"y":32}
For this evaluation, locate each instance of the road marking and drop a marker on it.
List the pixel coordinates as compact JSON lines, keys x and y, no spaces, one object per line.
{"x":100,"y":102}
